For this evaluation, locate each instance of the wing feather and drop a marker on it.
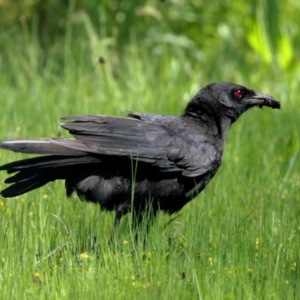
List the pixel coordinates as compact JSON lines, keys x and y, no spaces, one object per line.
{"x":151,"y":138}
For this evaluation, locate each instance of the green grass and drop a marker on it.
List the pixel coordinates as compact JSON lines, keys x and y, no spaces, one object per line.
{"x":239,"y":239}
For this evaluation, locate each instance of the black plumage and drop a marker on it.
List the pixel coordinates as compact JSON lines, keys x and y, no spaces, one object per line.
{"x":162,"y":160}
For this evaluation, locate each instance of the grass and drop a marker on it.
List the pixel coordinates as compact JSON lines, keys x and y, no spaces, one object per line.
{"x":239,"y":239}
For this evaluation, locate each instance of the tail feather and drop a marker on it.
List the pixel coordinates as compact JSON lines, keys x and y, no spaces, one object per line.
{"x":35,"y":172}
{"x":63,"y":146}
{"x":26,"y":185}
{"x":21,"y":176}
{"x":50,"y":161}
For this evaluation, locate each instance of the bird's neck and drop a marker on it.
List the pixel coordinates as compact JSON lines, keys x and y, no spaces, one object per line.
{"x":211,"y":116}
{"x":225,"y":125}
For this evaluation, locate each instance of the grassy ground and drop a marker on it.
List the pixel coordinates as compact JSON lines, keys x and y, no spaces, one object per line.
{"x":239,"y":239}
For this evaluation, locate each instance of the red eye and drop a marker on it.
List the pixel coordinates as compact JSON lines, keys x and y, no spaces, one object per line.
{"x":238,"y":94}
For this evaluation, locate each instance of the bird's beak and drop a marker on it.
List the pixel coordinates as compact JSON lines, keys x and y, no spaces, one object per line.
{"x":261,"y":100}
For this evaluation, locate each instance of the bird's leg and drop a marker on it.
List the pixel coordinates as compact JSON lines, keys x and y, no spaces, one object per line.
{"x":118,"y":216}
{"x":120,"y":211}
{"x":143,"y":217}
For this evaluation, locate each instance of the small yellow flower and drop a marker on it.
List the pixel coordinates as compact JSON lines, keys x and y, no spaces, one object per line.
{"x":125,"y":242}
{"x":256,"y":243}
{"x":280,"y":159}
{"x":237,"y":159}
{"x":180,"y":239}
{"x":293,"y":266}
{"x":45,"y":196}
{"x":37,"y":275}
{"x":210,"y":259}
{"x":83,"y":255}
{"x":30,"y":214}
{"x":250,"y":270}
{"x":1,"y":203}
{"x":229,"y":272}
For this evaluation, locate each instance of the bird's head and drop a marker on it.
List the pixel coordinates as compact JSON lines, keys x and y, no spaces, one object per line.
{"x":229,"y":100}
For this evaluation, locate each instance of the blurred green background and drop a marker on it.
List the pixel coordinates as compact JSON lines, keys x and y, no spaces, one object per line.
{"x":240,"y":239}
{"x":230,"y":40}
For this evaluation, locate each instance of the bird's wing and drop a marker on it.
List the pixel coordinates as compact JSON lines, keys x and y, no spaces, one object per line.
{"x":115,"y":136}
{"x":151,"y":139}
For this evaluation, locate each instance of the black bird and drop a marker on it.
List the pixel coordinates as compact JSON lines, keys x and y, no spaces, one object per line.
{"x":128,"y":164}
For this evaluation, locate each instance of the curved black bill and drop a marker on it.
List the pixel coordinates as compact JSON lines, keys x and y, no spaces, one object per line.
{"x":263,"y":100}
